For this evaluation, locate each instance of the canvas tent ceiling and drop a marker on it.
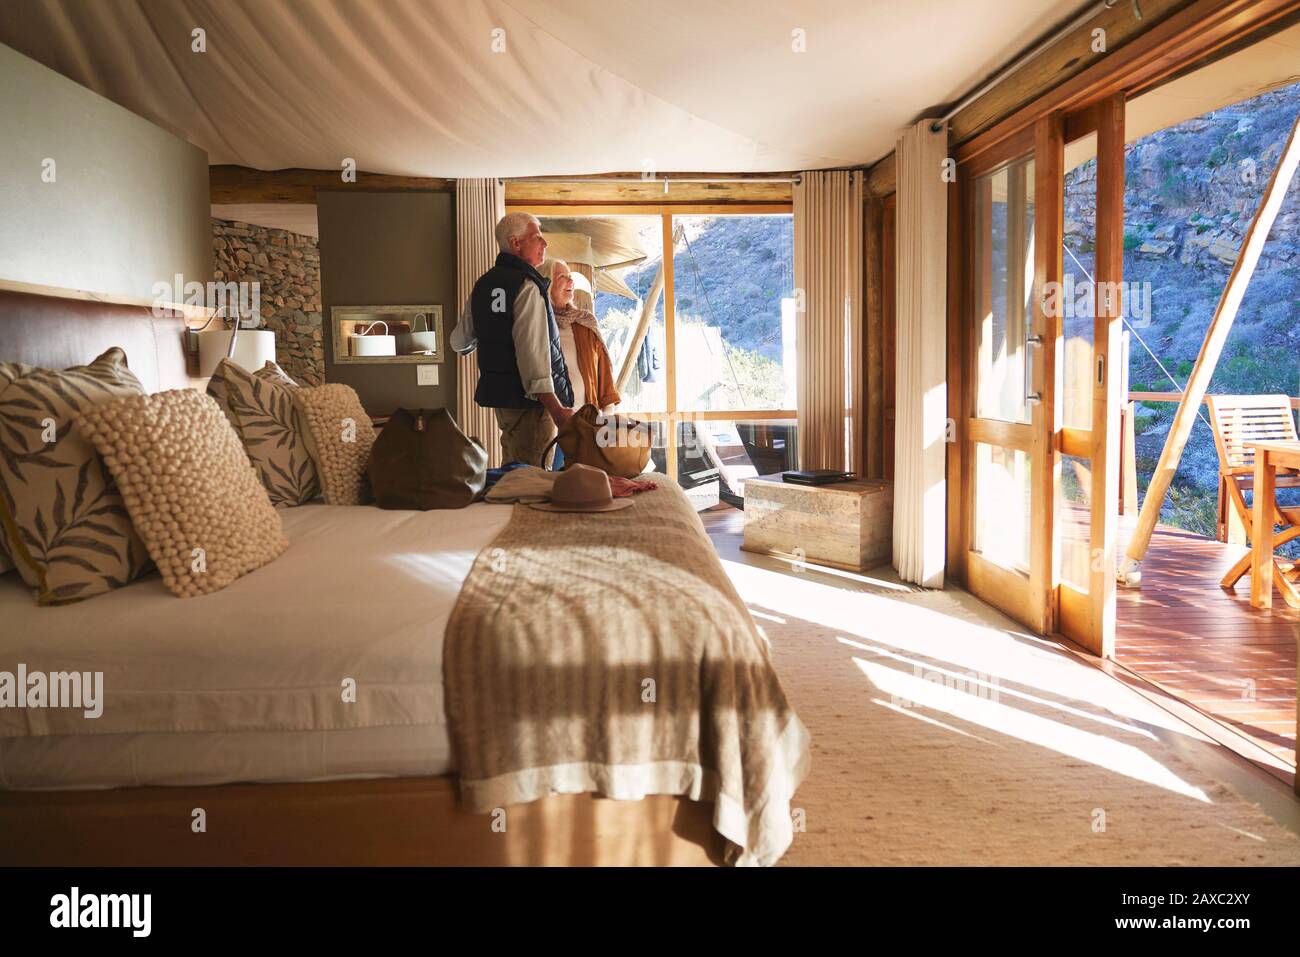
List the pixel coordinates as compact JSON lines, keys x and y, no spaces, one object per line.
{"x":607,"y":244}
{"x":427,"y":88}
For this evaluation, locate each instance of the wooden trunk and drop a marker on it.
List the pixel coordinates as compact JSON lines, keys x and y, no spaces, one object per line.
{"x":846,"y":525}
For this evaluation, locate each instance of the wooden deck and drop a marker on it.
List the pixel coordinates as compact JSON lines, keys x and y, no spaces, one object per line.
{"x":1207,"y":646}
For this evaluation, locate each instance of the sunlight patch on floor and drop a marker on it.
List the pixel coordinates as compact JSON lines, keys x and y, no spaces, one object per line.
{"x":1097,"y":749}
{"x":996,"y":688}
{"x":908,"y":712}
{"x":948,"y":630}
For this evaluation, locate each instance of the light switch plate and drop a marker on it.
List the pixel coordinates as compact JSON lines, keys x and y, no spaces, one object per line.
{"x":426,"y":375}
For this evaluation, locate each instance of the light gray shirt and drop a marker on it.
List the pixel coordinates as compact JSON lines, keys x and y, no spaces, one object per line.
{"x":532,"y":337}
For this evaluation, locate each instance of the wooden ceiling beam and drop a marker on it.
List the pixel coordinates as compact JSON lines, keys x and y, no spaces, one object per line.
{"x":241,"y":184}
{"x":632,"y":188}
{"x":882,"y":178}
{"x":1066,"y":58}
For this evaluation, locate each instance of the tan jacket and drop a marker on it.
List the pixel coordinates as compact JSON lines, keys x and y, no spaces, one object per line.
{"x":594,"y":366}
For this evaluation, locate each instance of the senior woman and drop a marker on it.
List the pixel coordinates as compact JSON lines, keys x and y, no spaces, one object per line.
{"x":590,"y":368}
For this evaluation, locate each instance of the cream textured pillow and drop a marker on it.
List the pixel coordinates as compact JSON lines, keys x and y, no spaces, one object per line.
{"x":268,"y":422}
{"x":63,"y":521}
{"x":194,"y":499}
{"x":339,"y":436}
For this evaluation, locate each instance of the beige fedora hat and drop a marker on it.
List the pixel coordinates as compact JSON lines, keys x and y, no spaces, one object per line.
{"x":581,"y":488}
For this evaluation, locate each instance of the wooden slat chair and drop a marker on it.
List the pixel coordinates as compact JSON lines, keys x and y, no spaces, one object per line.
{"x":1238,"y":420}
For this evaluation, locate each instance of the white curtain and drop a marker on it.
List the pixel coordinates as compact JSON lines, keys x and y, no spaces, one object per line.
{"x":480,"y":204}
{"x":920,"y":450}
{"x":828,"y":283}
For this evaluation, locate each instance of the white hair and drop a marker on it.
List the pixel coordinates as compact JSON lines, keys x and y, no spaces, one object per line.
{"x":512,"y":226}
{"x":550,"y":274}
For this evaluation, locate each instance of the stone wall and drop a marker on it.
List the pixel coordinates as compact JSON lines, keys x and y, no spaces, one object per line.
{"x":287,"y":267}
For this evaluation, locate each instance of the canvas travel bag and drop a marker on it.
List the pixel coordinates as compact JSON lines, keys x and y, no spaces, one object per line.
{"x":616,"y":443}
{"x":422,"y":460}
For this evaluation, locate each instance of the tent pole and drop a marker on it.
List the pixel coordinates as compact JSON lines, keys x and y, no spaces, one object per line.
{"x":643,"y":324}
{"x":1215,"y":336}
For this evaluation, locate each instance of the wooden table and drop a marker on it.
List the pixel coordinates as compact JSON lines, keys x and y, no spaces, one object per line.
{"x":1269,"y":457}
{"x":846,"y":525}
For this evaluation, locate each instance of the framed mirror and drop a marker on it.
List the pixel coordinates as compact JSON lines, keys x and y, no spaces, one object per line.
{"x":372,"y":334}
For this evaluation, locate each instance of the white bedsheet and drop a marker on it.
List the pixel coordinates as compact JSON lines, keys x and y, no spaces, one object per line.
{"x":246,"y":684}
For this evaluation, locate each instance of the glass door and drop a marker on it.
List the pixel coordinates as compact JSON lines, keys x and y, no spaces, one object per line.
{"x":1004,"y":504}
{"x":1036,"y":456}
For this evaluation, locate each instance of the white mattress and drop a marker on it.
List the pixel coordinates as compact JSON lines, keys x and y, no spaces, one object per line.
{"x":246,"y":684}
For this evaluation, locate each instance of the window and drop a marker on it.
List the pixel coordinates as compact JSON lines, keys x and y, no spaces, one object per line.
{"x":701,"y":341}
{"x":733,"y":280}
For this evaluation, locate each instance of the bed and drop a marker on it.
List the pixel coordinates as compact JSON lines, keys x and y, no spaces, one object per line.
{"x":298,"y":716}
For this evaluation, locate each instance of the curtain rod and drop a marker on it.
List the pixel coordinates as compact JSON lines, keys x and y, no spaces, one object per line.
{"x":1024,"y":58}
{"x":660,"y":179}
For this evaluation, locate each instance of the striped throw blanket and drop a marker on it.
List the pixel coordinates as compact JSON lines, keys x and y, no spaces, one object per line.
{"x":610,"y":653}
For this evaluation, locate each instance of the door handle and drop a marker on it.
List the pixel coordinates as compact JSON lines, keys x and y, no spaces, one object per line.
{"x":1033,"y":398}
{"x":1034,"y":340}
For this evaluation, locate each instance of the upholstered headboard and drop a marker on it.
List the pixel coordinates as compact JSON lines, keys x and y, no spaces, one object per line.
{"x":55,"y":333}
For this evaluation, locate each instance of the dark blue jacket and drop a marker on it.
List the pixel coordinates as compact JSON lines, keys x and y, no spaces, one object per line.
{"x":493,"y":304}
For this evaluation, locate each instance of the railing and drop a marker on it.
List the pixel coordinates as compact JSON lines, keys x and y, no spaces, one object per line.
{"x":1176,"y":397}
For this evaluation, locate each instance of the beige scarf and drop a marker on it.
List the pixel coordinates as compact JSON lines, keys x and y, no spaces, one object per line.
{"x":570,"y":314}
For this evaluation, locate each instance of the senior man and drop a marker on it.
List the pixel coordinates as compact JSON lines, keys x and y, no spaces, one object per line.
{"x":508,"y":318}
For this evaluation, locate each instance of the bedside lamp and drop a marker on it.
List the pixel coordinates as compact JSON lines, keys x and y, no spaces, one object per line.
{"x":250,"y":349}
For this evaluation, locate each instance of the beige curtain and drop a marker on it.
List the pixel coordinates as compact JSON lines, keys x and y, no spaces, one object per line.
{"x":480,"y":204}
{"x":828,"y":285}
{"x":921,"y":418}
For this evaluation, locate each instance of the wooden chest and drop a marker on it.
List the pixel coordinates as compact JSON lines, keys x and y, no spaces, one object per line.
{"x":846,"y":525}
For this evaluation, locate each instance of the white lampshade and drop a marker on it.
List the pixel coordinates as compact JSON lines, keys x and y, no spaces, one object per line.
{"x":253,"y":348}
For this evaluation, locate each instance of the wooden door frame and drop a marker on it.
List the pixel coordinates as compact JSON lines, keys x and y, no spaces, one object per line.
{"x":1089,"y":619}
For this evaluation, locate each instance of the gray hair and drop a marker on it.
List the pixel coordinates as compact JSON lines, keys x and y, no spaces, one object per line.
{"x":512,"y":226}
{"x":550,"y":273}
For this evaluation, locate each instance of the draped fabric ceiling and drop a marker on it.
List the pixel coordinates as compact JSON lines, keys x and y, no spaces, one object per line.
{"x":472,"y":88}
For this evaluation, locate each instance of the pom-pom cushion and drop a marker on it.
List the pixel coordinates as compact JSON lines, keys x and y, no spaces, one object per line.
{"x":191,"y":492}
{"x":339,"y":435}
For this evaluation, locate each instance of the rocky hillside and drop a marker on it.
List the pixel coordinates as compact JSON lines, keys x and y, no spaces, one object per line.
{"x":1190,"y":193}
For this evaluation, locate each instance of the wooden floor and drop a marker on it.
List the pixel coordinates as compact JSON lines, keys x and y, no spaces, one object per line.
{"x":1207,"y":646}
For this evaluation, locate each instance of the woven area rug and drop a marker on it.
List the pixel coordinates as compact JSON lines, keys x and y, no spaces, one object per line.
{"x":939,"y":739}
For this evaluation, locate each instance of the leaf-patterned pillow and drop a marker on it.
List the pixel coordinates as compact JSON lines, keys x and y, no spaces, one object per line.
{"x":218,"y":389}
{"x":64,"y":523}
{"x":268,"y":423}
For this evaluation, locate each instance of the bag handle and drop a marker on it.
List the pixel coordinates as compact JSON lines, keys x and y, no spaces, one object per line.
{"x":550,"y":445}
{"x":377,"y":322}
